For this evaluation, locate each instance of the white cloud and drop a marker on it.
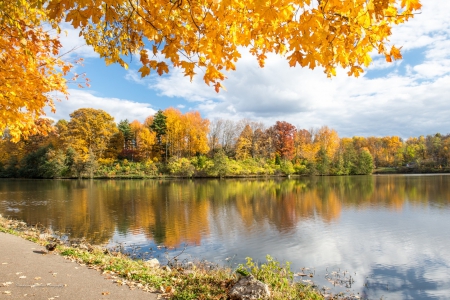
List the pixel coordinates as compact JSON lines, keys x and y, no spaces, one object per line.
{"x":74,"y":45}
{"x":120,"y":109}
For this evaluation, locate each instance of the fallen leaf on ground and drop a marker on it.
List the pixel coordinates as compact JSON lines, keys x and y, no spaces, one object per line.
{"x":7,"y":292}
{"x":37,"y":278}
{"x":6,"y":283}
{"x":105,"y":293}
{"x":22,"y":277}
{"x":18,"y":273}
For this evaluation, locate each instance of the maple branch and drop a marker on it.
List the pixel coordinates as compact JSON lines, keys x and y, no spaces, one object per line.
{"x":143,"y":18}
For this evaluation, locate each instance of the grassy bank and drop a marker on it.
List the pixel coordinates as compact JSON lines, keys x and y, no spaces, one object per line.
{"x":199,"y":280}
{"x":408,"y":170}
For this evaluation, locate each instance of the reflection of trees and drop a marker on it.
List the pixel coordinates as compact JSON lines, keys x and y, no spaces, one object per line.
{"x":65,"y":206}
{"x":165,"y":211}
{"x":180,"y":211}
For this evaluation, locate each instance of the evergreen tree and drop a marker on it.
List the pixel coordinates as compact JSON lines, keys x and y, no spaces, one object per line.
{"x":125,"y":129}
{"x":159,"y":126}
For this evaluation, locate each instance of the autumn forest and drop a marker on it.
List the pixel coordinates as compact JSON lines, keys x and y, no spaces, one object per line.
{"x":171,"y":143}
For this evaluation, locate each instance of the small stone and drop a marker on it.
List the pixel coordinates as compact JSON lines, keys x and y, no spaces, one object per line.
{"x":84,"y":247}
{"x":152,"y":263}
{"x":44,"y":236}
{"x":249,"y":288}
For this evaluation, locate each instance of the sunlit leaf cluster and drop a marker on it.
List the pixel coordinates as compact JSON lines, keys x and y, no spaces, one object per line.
{"x":31,"y":73}
{"x":206,"y":36}
{"x":211,"y":34}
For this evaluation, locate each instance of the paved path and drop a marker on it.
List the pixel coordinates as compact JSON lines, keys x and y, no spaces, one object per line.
{"x":28,"y":273}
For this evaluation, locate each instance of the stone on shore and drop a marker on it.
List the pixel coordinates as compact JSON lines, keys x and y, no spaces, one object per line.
{"x":152,"y":263}
{"x":249,"y":288}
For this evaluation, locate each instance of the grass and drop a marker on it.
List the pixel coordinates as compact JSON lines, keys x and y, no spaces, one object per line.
{"x":176,"y":281}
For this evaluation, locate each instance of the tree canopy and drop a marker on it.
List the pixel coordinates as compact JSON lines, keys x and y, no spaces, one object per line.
{"x":211,"y":33}
{"x":206,"y":35}
{"x":29,"y":67}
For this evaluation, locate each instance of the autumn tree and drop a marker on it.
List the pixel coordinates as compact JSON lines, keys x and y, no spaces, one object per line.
{"x":304,"y":144}
{"x":135,"y":127}
{"x":89,"y":130}
{"x":196,"y":130}
{"x":186,"y":134}
{"x":392,"y":146}
{"x":327,"y":139}
{"x":251,"y":141}
{"x":375,"y":147}
{"x":31,"y":68}
{"x":283,"y":134}
{"x":12,"y":153}
{"x":174,"y":137}
{"x":244,"y":143}
{"x":146,"y":140}
{"x":115,"y":145}
{"x":433,"y":145}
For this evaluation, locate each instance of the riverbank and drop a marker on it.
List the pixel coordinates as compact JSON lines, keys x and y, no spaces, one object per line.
{"x":410,"y":170}
{"x":175,"y":281}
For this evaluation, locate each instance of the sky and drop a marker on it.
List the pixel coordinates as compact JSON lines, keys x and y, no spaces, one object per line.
{"x":406,"y":98}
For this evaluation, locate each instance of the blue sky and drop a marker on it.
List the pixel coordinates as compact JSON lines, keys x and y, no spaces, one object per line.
{"x":406,"y":98}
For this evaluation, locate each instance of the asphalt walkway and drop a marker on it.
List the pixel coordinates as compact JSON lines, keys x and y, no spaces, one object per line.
{"x":26,"y":272}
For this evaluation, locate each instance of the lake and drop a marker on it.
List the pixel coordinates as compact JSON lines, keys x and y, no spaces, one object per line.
{"x":384,"y":236}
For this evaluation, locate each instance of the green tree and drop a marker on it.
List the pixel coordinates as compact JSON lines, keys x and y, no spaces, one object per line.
{"x":54,"y":165}
{"x":322,"y":162}
{"x":287,"y":167}
{"x":365,"y":163}
{"x":159,"y":126}
{"x":125,"y":128}
{"x":221,"y":164}
{"x":30,"y":166}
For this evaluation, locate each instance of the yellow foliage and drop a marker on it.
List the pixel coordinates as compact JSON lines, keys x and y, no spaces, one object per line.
{"x":146,"y":139}
{"x":30,"y":71}
{"x":206,"y":34}
{"x":89,"y":129}
{"x":186,"y":134}
{"x":211,"y":33}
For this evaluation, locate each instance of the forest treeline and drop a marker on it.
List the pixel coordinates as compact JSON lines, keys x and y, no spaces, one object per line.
{"x":91,"y":144}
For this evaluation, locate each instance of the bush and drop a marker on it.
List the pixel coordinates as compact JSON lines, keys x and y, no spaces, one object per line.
{"x":181,"y":167}
{"x":221,"y":165}
{"x":287,"y":167}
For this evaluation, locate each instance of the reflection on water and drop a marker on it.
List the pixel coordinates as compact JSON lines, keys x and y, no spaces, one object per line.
{"x":391,"y":231}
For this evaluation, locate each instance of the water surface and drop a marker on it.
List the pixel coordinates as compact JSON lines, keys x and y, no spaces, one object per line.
{"x":389,"y":233}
